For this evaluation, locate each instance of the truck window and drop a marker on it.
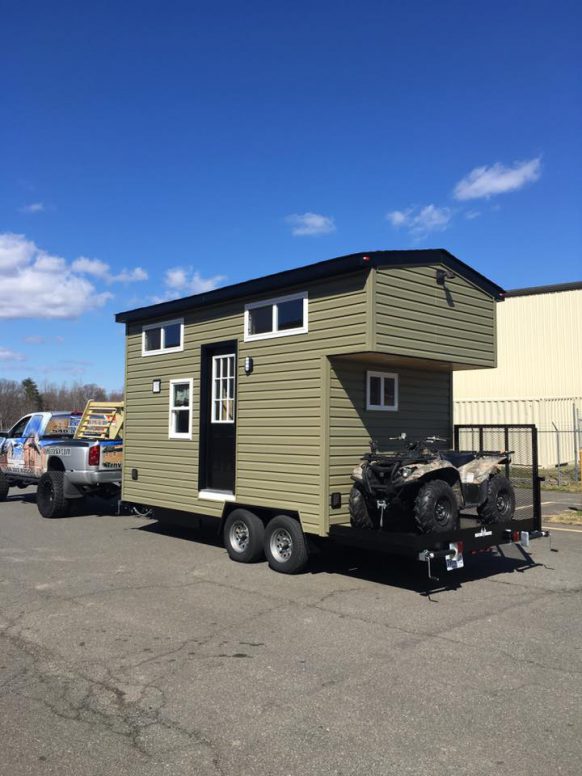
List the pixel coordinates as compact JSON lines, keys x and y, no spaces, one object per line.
{"x":18,"y":429}
{"x":34,"y":426}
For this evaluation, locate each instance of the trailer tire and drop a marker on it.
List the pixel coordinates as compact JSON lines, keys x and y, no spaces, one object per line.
{"x":435,"y":508}
{"x":50,"y":495}
{"x":500,"y":504}
{"x":285,"y":545}
{"x":4,"y":487}
{"x":244,"y":534}
{"x":358,"y":506}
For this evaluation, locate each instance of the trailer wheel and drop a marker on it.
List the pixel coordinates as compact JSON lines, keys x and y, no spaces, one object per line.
{"x":4,"y":487}
{"x":243,"y":536}
{"x":359,"y":512}
{"x":285,"y":545}
{"x":500,"y":504}
{"x":435,"y":507}
{"x":50,"y":495}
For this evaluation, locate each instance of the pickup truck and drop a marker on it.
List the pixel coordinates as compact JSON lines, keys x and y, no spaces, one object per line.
{"x":68,"y":455}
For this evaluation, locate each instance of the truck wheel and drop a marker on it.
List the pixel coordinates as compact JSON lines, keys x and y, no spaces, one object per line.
{"x":359,"y":512}
{"x":50,"y":495}
{"x":500,"y":504}
{"x":285,"y":545}
{"x":244,"y":533}
{"x":4,"y":487}
{"x":435,"y":507}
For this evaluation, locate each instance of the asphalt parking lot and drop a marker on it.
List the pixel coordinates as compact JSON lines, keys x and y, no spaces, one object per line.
{"x":127,"y":648}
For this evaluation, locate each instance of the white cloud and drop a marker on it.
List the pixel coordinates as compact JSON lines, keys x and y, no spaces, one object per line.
{"x":485,"y":182}
{"x":34,"y":207}
{"x":421,"y":221}
{"x":180,"y":281}
{"x":35,"y":284}
{"x":10,"y":355}
{"x":304,"y":224}
{"x":99,"y":269}
{"x":472,"y":214}
{"x":37,"y":339}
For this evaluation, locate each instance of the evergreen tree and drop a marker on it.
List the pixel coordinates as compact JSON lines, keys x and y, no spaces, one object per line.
{"x":33,"y":397}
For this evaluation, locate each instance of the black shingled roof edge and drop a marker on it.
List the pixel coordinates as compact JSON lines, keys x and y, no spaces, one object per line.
{"x":342,"y":265}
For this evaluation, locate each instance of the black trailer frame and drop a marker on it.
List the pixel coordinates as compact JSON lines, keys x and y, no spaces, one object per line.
{"x":470,"y":537}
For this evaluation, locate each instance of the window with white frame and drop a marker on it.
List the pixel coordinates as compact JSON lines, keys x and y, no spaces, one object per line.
{"x":166,"y":337}
{"x":382,"y":391}
{"x":223,"y":383}
{"x":181,"y":409}
{"x":276,"y":317}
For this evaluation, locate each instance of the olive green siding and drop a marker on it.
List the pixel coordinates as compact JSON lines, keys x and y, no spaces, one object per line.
{"x":417,"y":317}
{"x":424,"y":409}
{"x":279,"y":406}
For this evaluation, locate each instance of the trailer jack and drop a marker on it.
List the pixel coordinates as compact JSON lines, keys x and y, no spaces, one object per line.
{"x":453,"y":557}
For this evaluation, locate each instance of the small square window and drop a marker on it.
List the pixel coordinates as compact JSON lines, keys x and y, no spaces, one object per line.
{"x":382,"y":391}
{"x":261,"y":320}
{"x":290,"y":315}
{"x":153,"y":339}
{"x":172,"y":335}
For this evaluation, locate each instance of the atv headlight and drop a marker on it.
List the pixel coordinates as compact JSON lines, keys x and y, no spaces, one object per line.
{"x":407,"y":471}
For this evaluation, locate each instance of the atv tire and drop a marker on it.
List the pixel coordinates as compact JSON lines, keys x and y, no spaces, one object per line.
{"x":500,"y":504}
{"x":359,"y":512}
{"x":4,"y":487}
{"x":435,"y":508}
{"x":50,"y":495}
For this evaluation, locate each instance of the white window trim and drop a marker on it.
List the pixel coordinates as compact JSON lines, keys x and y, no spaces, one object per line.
{"x":162,"y":349}
{"x":382,"y":407}
{"x":173,"y":434}
{"x":214,"y":398}
{"x":248,"y":337}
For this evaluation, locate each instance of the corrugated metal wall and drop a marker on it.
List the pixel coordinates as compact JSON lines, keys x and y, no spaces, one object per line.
{"x":539,"y":339}
{"x":541,"y":412}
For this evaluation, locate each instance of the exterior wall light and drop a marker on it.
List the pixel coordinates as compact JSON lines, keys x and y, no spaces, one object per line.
{"x":249,"y":363}
{"x":156,"y":385}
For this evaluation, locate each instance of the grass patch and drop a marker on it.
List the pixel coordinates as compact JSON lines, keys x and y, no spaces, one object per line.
{"x":569,"y":517}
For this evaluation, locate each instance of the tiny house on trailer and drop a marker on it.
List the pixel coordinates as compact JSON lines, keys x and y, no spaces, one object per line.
{"x":252,"y":403}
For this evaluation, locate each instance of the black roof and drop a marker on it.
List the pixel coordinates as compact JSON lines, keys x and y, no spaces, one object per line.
{"x":557,"y":287}
{"x":342,"y":265}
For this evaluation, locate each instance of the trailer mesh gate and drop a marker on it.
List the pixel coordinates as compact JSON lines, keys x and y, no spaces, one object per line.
{"x":522,"y":442}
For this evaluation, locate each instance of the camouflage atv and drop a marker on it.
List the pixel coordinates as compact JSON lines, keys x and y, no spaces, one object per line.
{"x":430,"y":486}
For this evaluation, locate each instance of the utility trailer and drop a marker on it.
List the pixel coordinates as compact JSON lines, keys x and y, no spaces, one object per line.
{"x":252,"y":403}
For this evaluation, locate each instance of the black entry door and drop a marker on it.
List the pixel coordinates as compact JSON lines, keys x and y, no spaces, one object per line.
{"x":218,"y":417}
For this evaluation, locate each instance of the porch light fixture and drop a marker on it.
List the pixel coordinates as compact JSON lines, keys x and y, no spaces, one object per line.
{"x":156,"y":385}
{"x":249,"y":363}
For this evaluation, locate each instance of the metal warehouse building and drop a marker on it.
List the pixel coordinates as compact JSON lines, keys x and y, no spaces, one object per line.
{"x":538,"y":378}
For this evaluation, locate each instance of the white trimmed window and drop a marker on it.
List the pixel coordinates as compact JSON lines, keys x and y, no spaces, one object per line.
{"x":382,"y":391}
{"x":223,"y":370}
{"x":180,"y":409}
{"x":166,"y":337}
{"x":276,"y":317}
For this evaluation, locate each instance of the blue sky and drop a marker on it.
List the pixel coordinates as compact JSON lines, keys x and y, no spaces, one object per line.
{"x":153,"y":149}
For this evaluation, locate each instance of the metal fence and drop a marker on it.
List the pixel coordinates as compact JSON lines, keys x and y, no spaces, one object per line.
{"x":522,"y":471}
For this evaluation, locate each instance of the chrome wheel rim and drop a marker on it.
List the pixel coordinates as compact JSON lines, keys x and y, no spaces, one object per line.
{"x":281,"y":545}
{"x":239,"y":536}
{"x":442,"y":511}
{"x":502,"y":503}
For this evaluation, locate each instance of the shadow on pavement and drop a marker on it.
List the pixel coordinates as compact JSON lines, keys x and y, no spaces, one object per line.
{"x":369,"y":566}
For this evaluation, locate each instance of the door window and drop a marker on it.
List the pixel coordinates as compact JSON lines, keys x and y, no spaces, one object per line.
{"x":18,"y":430}
{"x":223,"y":376}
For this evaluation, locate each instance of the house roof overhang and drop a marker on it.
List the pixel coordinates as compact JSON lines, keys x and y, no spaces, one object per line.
{"x":321,"y":270}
